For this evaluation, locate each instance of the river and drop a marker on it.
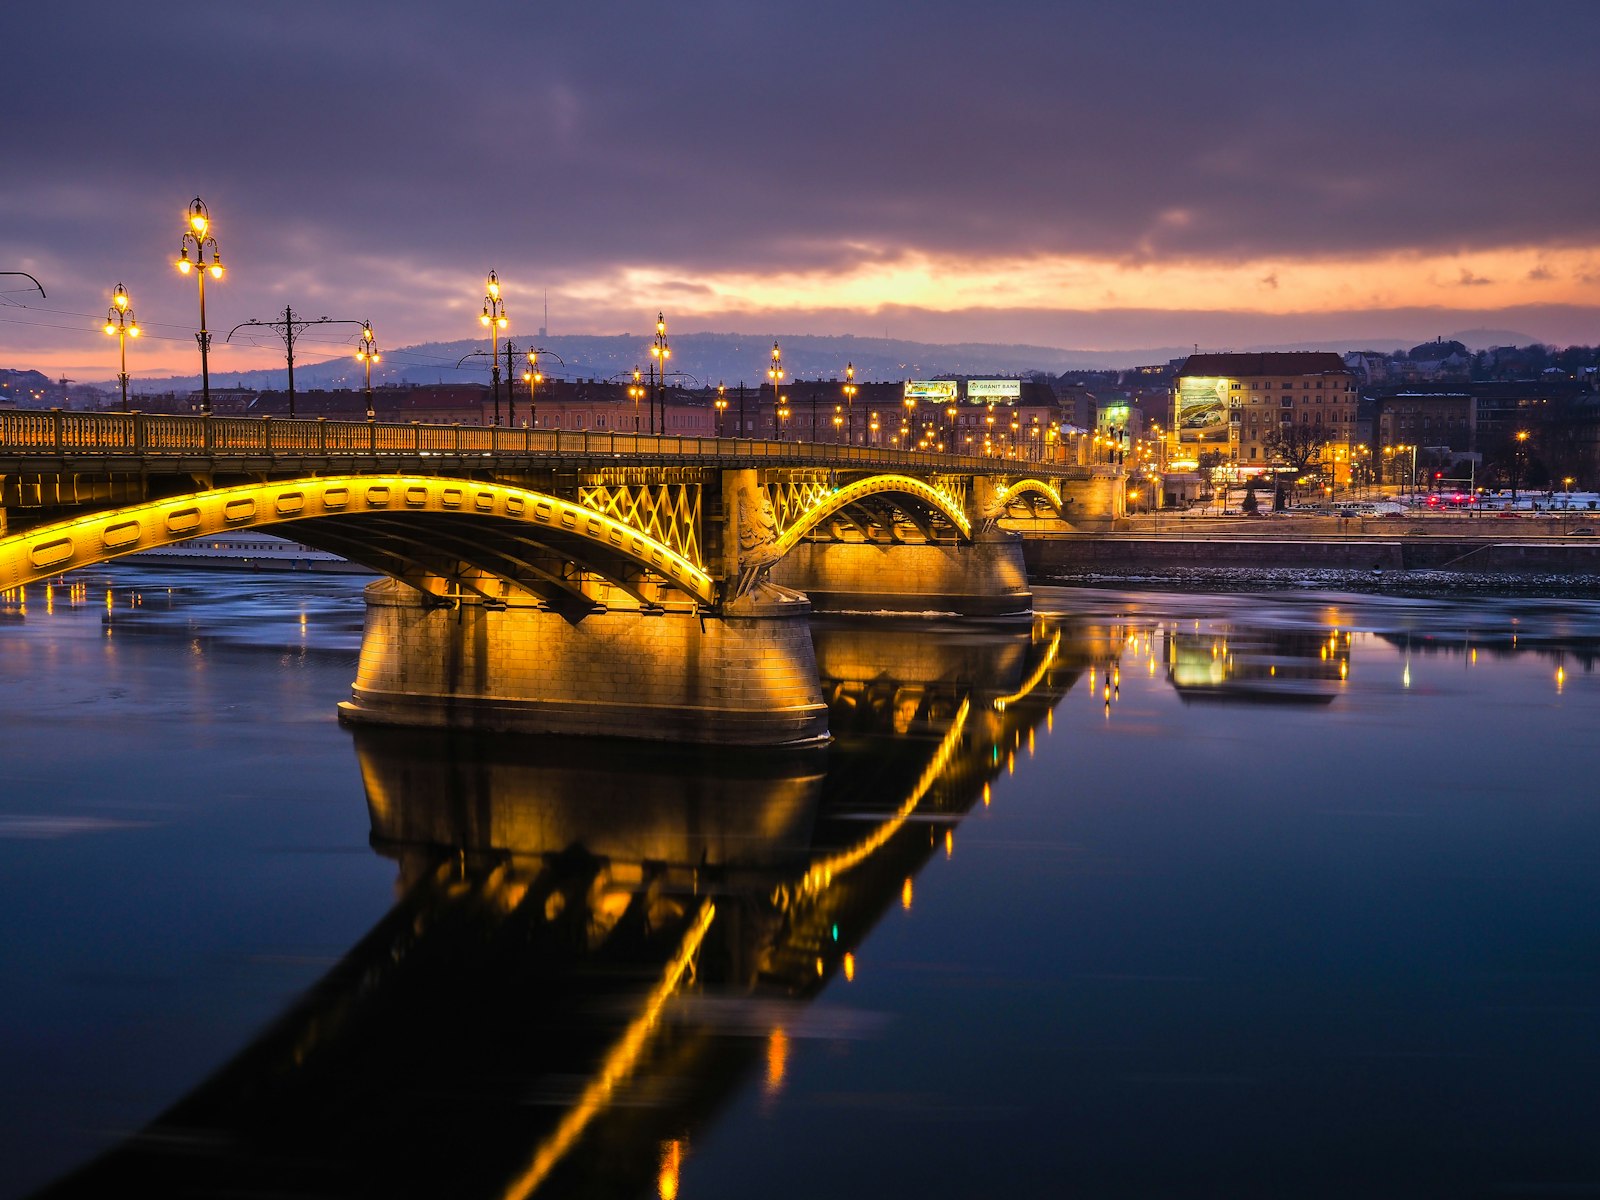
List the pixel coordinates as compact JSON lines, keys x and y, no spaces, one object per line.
{"x":1164,"y":893}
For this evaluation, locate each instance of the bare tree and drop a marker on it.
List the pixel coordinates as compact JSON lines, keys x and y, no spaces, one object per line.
{"x":1210,"y":463}
{"x":1296,"y":446}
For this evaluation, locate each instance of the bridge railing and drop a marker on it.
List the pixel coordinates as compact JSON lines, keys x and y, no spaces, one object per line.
{"x":61,"y":433}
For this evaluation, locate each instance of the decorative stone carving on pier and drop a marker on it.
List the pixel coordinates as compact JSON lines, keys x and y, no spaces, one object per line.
{"x":758,"y":536}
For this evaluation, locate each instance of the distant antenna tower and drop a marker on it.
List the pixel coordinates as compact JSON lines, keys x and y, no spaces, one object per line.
{"x":544,"y":330}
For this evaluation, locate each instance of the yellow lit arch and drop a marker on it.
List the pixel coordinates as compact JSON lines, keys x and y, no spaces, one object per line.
{"x":852,"y":492}
{"x":63,"y":546}
{"x":1036,"y":487}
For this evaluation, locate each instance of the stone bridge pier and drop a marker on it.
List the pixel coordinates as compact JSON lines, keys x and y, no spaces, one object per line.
{"x":736,"y":678}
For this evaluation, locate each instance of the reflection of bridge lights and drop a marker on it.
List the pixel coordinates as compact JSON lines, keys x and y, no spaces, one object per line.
{"x":618,"y":1063}
{"x":671,"y":1163}
{"x":905,"y":894}
{"x":777,"y":1059}
{"x":986,"y":795}
{"x":949,"y":843}
{"x":849,"y":967}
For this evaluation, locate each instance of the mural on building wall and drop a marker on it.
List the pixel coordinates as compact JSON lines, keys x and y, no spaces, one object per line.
{"x":1203,"y":410}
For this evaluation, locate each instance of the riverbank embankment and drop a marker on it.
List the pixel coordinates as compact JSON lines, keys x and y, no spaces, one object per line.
{"x":1432,"y":550}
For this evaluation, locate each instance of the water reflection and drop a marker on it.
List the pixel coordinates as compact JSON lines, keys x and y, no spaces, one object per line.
{"x":594,"y":944}
{"x":594,"y":948}
{"x":1258,"y":666}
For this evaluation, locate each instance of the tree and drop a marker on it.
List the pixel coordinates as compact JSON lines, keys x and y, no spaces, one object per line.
{"x":1295,"y":446}
{"x":1210,"y":464}
{"x":1250,"y":504}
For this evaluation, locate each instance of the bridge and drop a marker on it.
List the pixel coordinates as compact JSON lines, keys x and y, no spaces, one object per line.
{"x":551,"y":581}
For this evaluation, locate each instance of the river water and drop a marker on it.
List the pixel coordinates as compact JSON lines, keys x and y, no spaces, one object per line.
{"x":1159,"y":895}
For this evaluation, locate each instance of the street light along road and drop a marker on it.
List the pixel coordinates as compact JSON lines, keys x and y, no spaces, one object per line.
{"x":197,"y":233}
{"x":494,"y":316}
{"x":120,"y":322}
{"x":367,"y":354}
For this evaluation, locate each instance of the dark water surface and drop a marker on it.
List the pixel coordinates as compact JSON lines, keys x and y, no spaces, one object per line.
{"x":1161,"y":895}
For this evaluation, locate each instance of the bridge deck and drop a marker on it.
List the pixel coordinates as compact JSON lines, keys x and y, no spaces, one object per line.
{"x":114,"y":442}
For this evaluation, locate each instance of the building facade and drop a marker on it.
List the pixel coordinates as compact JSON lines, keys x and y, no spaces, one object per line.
{"x":1245,"y":407}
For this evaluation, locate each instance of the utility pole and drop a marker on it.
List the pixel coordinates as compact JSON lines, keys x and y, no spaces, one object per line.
{"x":511,"y":388}
{"x":288,"y":329}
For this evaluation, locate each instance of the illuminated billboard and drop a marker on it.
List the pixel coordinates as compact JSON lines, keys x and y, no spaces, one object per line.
{"x":1113,"y":416}
{"x":931,"y":391}
{"x":1203,"y":410}
{"x":994,"y":391}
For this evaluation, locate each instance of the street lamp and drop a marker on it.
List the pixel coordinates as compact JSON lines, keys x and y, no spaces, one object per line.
{"x":849,"y":403}
{"x":775,"y":373}
{"x":494,"y":319}
{"x":533,"y":379}
{"x":722,"y":405}
{"x":1517,"y":455}
{"x":120,"y":321}
{"x":659,"y":353}
{"x":635,"y":393}
{"x":783,"y":416}
{"x":197,"y":234}
{"x":366,"y":355}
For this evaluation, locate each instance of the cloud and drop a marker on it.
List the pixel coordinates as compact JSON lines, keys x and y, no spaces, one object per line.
{"x":775,"y":161}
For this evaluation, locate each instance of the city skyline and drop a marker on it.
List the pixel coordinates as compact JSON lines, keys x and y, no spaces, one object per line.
{"x":1081,"y":176}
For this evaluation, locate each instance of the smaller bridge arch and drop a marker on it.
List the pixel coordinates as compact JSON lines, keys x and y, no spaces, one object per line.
{"x":1029,"y":489}
{"x":902,"y":486}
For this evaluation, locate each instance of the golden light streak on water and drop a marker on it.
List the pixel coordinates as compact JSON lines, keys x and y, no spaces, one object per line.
{"x":618,"y":1064}
{"x":671,"y":1164}
{"x":777,"y":1060}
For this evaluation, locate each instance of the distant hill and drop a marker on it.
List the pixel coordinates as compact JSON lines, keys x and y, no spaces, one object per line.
{"x":734,"y":358}
{"x":697,"y":358}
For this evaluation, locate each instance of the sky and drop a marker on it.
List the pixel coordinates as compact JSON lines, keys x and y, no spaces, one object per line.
{"x":1083,"y":175}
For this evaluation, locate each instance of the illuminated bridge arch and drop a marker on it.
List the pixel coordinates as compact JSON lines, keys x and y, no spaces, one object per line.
{"x":900,"y":487}
{"x":1030,"y":490}
{"x":428,"y":532}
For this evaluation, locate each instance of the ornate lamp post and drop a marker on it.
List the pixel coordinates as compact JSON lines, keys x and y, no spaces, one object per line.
{"x":533,"y":379}
{"x":197,"y":233}
{"x":635,"y":393}
{"x":120,"y":321}
{"x":366,"y":355}
{"x":659,"y":353}
{"x":849,"y":403}
{"x":722,"y":405}
{"x":494,"y":317}
{"x":775,"y":373}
